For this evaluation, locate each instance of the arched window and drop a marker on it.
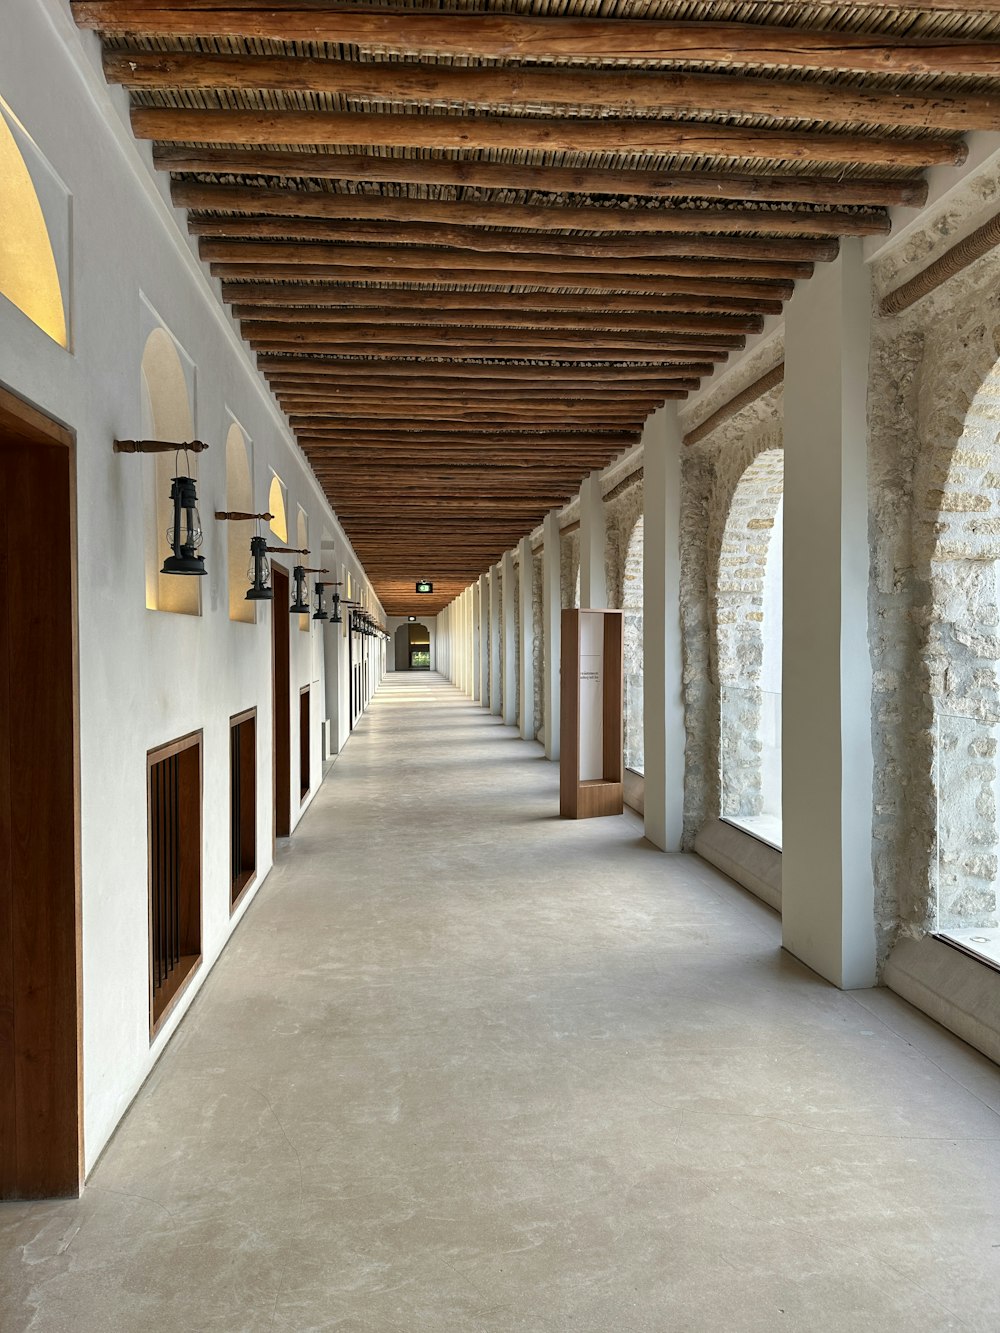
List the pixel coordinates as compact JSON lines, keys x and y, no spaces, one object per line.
{"x":239,"y":496}
{"x":632,"y":607}
{"x":166,"y":411}
{"x":748,"y":642}
{"x":957,"y":515}
{"x":29,"y":277}
{"x":276,"y":506}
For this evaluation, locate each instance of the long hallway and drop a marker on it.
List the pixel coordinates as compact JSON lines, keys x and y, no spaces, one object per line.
{"x":467,"y":1066}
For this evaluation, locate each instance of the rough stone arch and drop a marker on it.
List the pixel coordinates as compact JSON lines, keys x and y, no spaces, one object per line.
{"x":741,"y":572}
{"x":956,"y":563}
{"x":631,"y":602}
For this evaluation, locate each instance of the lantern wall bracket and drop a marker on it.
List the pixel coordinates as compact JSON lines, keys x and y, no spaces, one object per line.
{"x":159,"y":446}
{"x":238,"y":516}
{"x":285,"y":550}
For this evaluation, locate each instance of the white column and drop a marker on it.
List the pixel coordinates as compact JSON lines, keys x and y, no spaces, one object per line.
{"x":527,"y":667}
{"x":662,"y":682}
{"x":509,"y":648}
{"x":484,"y":640}
{"x":496,"y":703}
{"x":551,"y":629}
{"x":593,"y":538}
{"x":477,"y":611}
{"x":467,"y":641}
{"x":827,"y":884}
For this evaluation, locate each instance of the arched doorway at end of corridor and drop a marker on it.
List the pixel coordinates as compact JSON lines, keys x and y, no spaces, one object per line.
{"x":413,"y":647}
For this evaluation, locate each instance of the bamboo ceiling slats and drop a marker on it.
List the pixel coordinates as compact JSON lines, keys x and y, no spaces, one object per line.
{"x":473,"y":251}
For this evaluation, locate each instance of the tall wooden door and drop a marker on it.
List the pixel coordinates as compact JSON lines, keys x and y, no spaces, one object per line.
{"x":280,"y":620}
{"x":41,"y":1135}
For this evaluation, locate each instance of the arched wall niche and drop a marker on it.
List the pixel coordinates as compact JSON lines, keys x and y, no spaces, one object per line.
{"x":239,"y":496}
{"x":748,"y":646}
{"x":167,"y":415}
{"x":276,"y":505}
{"x":956,"y":559}
{"x":631,"y":602}
{"x":29,"y":274}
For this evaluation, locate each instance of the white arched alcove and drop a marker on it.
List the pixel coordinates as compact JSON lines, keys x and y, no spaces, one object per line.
{"x":167,"y":415}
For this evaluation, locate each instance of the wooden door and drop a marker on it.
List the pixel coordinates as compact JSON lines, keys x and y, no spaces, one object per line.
{"x":281,"y":620}
{"x":41,"y":1136}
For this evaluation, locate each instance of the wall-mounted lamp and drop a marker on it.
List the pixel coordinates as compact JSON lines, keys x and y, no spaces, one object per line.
{"x":300,"y":604}
{"x":184,"y":534}
{"x":259,"y":568}
{"x":335,"y":616}
{"x":299,"y":607}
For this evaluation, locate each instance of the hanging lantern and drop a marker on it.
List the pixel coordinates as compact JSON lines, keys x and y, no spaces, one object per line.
{"x":335,"y":616}
{"x":320,"y":612}
{"x":300,"y":602}
{"x":259,"y":572}
{"x":184,"y":533}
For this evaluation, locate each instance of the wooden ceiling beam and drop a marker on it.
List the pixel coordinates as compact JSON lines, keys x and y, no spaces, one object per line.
{"x":370,"y":242}
{"x":455,"y":215}
{"x":512,"y":37}
{"x":570,"y":134}
{"x":292,"y":300}
{"x":308,"y":335}
{"x":258,"y":317}
{"x":389,"y":392}
{"x":486,"y":439}
{"x":718,"y":275}
{"x":462,"y":172}
{"x":336,"y":370}
{"x":570,"y":353}
{"x":624,"y":91}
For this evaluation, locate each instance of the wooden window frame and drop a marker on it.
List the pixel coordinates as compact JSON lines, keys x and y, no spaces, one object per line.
{"x":240,"y":883}
{"x":305,"y":746}
{"x":161,"y":1006}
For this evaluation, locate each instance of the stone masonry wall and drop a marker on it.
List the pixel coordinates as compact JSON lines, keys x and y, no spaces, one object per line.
{"x":710,"y":474}
{"x":934,"y":478}
{"x":569,"y":567}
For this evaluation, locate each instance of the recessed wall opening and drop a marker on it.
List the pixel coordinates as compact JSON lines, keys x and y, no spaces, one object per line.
{"x":413,"y":647}
{"x":29,"y":275}
{"x":304,"y":743}
{"x":958,"y":501}
{"x":282,"y":703}
{"x":166,"y":415}
{"x":749,"y":640}
{"x":276,"y":507}
{"x":40,"y":972}
{"x":174,"y":824}
{"x":632,"y":606}
{"x":242,"y":802}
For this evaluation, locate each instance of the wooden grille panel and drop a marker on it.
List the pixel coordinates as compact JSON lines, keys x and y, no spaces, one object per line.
{"x":174,"y":795}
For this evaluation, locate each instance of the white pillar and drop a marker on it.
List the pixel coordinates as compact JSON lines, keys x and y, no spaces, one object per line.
{"x":827,"y":885}
{"x":527,"y":668}
{"x":484,"y":640}
{"x":509,"y":646}
{"x":496,"y":703}
{"x":551,"y":629}
{"x":593,"y":538}
{"x":477,"y":611}
{"x":662,"y":676}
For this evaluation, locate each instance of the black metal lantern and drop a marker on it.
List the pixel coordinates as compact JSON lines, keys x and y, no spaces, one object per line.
{"x":320,"y":612}
{"x":335,"y":616}
{"x":300,"y":603}
{"x":184,"y":533}
{"x":259,"y":572}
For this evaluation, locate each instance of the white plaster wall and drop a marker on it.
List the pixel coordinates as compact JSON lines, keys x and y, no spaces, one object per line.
{"x":145,"y":676}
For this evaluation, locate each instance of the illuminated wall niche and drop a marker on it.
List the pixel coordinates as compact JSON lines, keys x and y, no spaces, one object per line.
{"x":276,"y":506}
{"x":239,"y":496}
{"x":29,"y":277}
{"x":166,"y":412}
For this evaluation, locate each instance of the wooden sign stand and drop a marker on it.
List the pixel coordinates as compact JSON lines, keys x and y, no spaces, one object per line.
{"x":591,"y":765}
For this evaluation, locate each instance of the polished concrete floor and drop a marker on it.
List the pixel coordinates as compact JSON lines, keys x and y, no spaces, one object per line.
{"x":466,"y":1067}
